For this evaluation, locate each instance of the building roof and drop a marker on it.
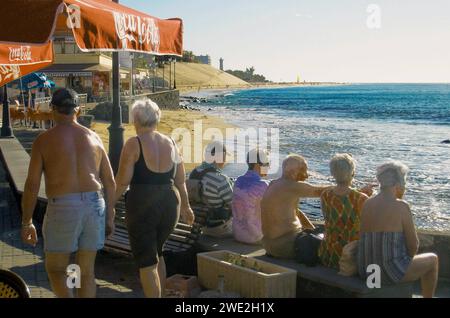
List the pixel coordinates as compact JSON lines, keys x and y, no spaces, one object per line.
{"x":56,"y":68}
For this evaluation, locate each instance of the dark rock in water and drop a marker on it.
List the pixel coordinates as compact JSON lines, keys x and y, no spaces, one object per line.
{"x":446,"y":142}
{"x":210,"y":109}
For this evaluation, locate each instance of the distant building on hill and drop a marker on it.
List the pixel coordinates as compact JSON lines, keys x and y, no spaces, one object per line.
{"x":221,"y":64}
{"x":204,"y":59}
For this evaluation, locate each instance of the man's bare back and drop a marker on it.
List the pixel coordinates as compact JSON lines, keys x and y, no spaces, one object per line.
{"x":278,"y":209}
{"x":71,"y":155}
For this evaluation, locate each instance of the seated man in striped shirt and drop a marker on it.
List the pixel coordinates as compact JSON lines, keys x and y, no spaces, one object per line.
{"x":216,"y":190}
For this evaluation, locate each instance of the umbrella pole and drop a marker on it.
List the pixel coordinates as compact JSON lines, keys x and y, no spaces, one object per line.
{"x":21,"y":93}
{"x":116,"y":130}
{"x":6,"y":131}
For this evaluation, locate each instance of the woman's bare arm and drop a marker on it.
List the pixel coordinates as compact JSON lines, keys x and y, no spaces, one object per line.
{"x":128,"y":159}
{"x":180,"y":182}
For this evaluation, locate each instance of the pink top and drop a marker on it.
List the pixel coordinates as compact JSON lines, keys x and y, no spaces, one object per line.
{"x":247,"y":195}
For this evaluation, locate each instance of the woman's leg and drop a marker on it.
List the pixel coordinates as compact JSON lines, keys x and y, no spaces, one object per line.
{"x":425,"y":268}
{"x":150,"y":281}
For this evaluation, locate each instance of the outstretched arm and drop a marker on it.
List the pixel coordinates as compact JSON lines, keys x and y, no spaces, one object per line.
{"x":306,"y":190}
{"x":368,"y":189}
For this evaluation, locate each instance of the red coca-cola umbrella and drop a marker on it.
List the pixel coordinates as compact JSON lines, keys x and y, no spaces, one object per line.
{"x":19,"y":60}
{"x":97,"y":25}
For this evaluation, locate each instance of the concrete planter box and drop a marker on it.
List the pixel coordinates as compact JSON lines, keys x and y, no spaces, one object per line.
{"x":267,"y":281}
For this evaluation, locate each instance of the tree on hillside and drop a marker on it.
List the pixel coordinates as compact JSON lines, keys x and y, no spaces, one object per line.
{"x":250,"y":71}
{"x":189,"y":57}
{"x":248,"y":75}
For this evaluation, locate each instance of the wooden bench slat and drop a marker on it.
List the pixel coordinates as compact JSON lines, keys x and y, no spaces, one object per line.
{"x":15,"y":158}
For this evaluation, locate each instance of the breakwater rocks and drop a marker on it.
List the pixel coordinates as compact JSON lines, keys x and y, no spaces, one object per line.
{"x":186,"y":102}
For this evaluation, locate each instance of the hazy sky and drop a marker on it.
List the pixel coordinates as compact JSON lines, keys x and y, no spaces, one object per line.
{"x":320,"y":40}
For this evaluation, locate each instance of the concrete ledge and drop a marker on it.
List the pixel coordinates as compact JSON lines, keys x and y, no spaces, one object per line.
{"x":316,"y":281}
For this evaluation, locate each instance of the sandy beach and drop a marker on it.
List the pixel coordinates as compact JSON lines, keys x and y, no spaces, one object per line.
{"x":171,"y":120}
{"x":218,"y":91}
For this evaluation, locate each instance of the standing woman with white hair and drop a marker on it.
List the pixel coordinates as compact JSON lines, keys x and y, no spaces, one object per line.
{"x":389,"y":238}
{"x":151,"y":165}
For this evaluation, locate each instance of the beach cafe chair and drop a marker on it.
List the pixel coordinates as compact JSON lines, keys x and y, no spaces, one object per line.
{"x":17,"y":114}
{"x":12,"y":285}
{"x":46,"y":117}
{"x":33,"y":115}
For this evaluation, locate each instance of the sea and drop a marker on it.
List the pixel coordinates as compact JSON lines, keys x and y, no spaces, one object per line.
{"x":373,"y":122}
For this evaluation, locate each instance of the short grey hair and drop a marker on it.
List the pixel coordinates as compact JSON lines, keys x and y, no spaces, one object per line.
{"x":342,"y":168}
{"x":392,"y":174}
{"x":146,"y":113}
{"x":293,"y":163}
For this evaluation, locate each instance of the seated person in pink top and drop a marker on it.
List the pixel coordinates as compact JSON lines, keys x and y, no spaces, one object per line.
{"x":247,"y":194}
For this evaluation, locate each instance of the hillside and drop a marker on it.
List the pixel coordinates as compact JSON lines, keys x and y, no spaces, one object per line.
{"x":192,"y":76}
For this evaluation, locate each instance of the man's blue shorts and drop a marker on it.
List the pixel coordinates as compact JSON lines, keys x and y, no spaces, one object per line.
{"x":75,"y":222}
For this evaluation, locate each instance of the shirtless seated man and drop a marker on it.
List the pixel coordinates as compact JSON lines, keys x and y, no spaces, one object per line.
{"x":76,"y":168}
{"x":281,"y":219}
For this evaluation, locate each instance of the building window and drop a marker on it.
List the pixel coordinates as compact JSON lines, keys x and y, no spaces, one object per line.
{"x":57,"y":46}
{"x":70,"y":48}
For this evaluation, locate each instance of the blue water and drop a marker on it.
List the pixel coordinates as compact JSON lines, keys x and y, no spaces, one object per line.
{"x":374,"y":123}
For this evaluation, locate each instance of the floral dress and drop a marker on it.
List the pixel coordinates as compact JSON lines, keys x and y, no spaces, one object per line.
{"x":342,"y":214}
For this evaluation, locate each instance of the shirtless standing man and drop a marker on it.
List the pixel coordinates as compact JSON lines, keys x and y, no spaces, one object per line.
{"x":76,"y":168}
{"x":281,"y":219}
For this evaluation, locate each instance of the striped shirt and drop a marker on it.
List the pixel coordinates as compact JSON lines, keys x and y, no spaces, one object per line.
{"x":217,"y":187}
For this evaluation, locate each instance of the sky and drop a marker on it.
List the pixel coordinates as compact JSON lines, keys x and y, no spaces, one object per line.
{"x":321,"y":40}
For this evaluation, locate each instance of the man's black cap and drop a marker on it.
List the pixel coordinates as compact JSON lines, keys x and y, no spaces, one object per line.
{"x":66,"y":98}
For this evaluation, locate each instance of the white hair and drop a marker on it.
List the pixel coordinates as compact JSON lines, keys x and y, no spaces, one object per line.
{"x":342,"y":168}
{"x":293,"y":163}
{"x":146,"y":113}
{"x":391,"y":174}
